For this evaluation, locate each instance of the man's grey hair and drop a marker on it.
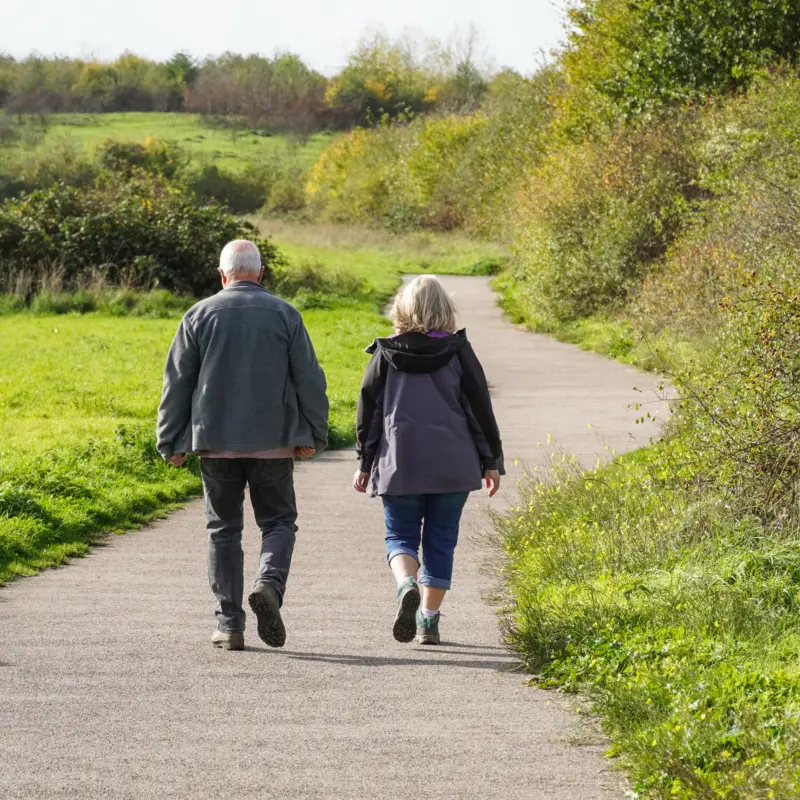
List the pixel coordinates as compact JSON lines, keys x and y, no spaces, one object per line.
{"x":240,"y":259}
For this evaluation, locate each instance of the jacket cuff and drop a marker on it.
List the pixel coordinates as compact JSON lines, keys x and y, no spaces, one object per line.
{"x":366,"y":463}
{"x":165,"y":451}
{"x":495,"y":463}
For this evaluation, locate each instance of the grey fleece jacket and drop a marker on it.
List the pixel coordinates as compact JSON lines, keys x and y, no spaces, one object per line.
{"x":242,"y":375}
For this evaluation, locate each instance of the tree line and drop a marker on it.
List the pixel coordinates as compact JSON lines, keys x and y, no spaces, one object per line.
{"x":383,"y":78}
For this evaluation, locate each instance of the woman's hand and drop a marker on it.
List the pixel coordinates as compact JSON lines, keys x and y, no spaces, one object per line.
{"x":492,"y":477}
{"x":361,"y":481}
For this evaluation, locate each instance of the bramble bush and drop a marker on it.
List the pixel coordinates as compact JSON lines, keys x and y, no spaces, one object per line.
{"x":631,"y":58}
{"x":143,"y":232}
{"x":596,"y":216}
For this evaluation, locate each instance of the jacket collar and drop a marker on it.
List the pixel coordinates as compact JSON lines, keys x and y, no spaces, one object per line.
{"x":246,"y":286}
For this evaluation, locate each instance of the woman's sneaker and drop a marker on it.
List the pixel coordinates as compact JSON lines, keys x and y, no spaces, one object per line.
{"x":428,"y":628}
{"x":408,"y":600}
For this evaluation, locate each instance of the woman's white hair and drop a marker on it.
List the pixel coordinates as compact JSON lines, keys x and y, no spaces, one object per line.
{"x":239,"y":259}
{"x":423,"y":305}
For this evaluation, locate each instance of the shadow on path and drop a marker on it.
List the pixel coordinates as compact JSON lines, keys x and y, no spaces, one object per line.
{"x":491,"y":661}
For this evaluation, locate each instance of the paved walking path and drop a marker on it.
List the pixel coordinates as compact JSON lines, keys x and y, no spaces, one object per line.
{"x":109,"y":687}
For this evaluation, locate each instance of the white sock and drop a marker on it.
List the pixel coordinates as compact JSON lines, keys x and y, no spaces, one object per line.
{"x":426,"y":612}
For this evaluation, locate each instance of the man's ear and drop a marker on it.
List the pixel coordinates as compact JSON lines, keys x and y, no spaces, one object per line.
{"x":223,"y":277}
{"x":261,"y":274}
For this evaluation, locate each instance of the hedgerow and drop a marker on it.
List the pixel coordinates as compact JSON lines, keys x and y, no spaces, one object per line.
{"x":666,"y":584}
{"x":144,"y":232}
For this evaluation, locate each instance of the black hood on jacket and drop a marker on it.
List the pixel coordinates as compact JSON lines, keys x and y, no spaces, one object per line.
{"x":418,"y":352}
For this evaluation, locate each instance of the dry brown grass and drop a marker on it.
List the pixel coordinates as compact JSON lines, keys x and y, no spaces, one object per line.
{"x":355,"y":236}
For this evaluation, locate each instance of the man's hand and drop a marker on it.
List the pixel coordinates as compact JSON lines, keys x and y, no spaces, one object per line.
{"x":492,"y":477}
{"x":304,"y":452}
{"x":361,"y":481}
{"x":178,"y":460}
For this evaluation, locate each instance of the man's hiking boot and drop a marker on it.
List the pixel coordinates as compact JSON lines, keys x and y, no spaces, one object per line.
{"x":228,"y":640}
{"x":408,"y":600}
{"x":266,"y":606}
{"x":428,"y":629}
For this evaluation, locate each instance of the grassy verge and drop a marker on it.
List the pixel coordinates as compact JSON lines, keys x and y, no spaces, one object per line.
{"x":607,"y":335}
{"x":666,"y":585}
{"x":79,"y":391}
{"x":676,"y":615}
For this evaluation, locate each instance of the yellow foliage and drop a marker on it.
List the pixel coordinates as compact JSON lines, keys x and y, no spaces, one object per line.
{"x":332,"y":93}
{"x":378,"y":90}
{"x":392,"y":172}
{"x":431,"y":96}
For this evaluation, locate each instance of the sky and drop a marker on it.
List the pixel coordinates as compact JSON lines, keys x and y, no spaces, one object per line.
{"x":513,"y":33}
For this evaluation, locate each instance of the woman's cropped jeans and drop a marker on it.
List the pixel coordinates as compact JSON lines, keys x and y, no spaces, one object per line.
{"x":431,"y":520}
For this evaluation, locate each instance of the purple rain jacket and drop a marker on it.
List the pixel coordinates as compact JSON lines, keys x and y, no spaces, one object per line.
{"x":425,"y":420}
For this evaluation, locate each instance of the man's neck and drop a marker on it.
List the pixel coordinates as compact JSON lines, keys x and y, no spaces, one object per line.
{"x":233,"y":282}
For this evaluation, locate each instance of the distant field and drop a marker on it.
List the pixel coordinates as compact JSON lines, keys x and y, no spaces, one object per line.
{"x":228,"y":148}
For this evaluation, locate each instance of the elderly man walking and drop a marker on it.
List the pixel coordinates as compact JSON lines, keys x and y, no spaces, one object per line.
{"x":244,"y":390}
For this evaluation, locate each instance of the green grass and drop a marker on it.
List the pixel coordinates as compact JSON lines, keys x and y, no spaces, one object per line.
{"x":649,"y":591}
{"x":230,"y":149}
{"x":79,"y":392}
{"x":78,"y":397}
{"x":616,"y":337}
{"x":379,"y":257}
{"x":74,"y":390}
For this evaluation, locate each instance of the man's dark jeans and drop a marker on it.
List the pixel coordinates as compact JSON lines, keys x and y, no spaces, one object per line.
{"x":272,"y":495}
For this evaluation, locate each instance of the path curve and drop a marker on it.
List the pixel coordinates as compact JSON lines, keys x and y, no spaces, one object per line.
{"x":110,"y":688}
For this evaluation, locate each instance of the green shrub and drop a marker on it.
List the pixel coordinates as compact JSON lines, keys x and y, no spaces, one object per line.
{"x":126,"y":159}
{"x":597,"y":217}
{"x":287,"y":195}
{"x":239,"y":193}
{"x":142,"y":232}
{"x":61,"y":162}
{"x":395,"y":175}
{"x":308,"y":282}
{"x":643,"y":55}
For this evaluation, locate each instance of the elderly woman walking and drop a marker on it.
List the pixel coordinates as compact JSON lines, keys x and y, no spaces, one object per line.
{"x":427,"y":437}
